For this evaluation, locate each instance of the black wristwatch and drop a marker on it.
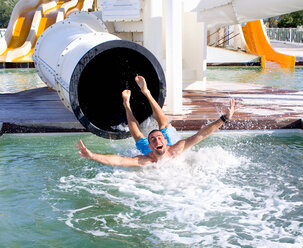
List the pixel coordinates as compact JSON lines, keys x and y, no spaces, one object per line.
{"x":224,"y":118}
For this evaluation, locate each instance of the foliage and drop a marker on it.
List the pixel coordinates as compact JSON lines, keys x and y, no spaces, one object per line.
{"x":272,"y":22}
{"x":6,"y":8}
{"x":291,"y":20}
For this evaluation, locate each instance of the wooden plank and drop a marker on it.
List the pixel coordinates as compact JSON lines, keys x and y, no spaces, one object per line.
{"x":37,"y":110}
{"x":262,"y":107}
{"x":40,"y":110}
{"x":37,"y":105}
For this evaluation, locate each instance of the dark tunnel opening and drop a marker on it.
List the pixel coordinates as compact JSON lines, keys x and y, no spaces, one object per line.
{"x":99,"y":79}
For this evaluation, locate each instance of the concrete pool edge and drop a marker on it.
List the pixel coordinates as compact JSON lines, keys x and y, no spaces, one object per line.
{"x":249,"y":132}
{"x":182,"y":133}
{"x":13,"y":128}
{"x":234,"y":127}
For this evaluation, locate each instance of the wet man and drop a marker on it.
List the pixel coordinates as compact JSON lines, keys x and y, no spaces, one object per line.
{"x":157,"y":145}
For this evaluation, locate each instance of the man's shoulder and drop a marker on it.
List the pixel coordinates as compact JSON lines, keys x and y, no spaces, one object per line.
{"x":145,"y":159}
{"x":178,"y":144}
{"x":176,"y":148}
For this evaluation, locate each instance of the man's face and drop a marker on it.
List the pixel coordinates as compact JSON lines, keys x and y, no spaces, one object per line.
{"x":157,"y":142}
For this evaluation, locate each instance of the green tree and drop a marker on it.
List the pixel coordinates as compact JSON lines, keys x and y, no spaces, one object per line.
{"x":6,"y":8}
{"x":291,"y":20}
{"x":272,"y":22}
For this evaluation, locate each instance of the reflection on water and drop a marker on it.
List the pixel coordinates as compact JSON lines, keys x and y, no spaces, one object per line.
{"x":233,"y":190}
{"x":15,"y":80}
{"x":291,"y":79}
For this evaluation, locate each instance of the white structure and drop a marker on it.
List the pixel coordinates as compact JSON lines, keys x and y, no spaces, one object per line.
{"x":175,"y":31}
{"x":89,"y":68}
{"x":170,"y":32}
{"x":228,"y":12}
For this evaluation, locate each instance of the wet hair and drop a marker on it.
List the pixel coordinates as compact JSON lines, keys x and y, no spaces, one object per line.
{"x":151,"y":132}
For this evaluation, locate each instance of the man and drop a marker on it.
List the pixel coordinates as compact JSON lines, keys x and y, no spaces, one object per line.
{"x":157,"y":145}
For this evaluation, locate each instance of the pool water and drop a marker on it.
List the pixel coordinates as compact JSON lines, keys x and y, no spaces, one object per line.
{"x":288,"y":79}
{"x":232,"y":190}
{"x":16,"y":80}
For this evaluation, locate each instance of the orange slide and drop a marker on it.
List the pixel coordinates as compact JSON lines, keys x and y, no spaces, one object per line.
{"x":257,"y":43}
{"x":28,"y":23}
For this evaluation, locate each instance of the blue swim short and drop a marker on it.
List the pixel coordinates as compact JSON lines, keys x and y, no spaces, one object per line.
{"x":142,"y":144}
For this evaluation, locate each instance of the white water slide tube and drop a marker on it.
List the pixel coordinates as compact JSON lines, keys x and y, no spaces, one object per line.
{"x":90,"y":68}
{"x":228,"y":12}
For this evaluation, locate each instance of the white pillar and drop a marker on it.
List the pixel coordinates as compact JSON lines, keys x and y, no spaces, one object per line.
{"x":152,"y":21}
{"x":204,"y":65}
{"x":194,"y":52}
{"x":99,"y":4}
{"x":173,"y":9}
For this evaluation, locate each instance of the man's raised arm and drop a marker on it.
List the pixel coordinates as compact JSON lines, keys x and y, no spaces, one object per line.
{"x":209,"y":129}
{"x":111,"y":159}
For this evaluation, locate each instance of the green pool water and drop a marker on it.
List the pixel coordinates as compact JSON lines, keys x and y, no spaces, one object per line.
{"x":15,"y":80}
{"x":233,"y":190}
{"x":289,"y":79}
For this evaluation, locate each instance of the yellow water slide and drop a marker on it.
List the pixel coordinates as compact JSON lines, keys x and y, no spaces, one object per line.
{"x":258,"y":43}
{"x":28,"y":21}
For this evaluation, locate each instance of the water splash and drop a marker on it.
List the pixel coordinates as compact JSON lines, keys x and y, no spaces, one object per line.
{"x":212,"y":196}
{"x":169,"y":199}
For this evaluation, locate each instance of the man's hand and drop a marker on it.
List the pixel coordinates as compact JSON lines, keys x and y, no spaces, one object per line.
{"x":232,"y":109}
{"x":142,"y":84}
{"x":83,"y":151}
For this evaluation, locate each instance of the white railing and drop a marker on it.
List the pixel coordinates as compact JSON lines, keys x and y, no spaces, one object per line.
{"x":2,"y":32}
{"x":294,"y":35}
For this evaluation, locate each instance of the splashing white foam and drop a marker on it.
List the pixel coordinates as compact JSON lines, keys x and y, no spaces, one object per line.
{"x":196,"y":199}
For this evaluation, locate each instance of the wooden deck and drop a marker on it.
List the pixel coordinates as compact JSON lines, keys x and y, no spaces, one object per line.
{"x":261,"y":107}
{"x":40,"y":110}
{"x":37,"y":110}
